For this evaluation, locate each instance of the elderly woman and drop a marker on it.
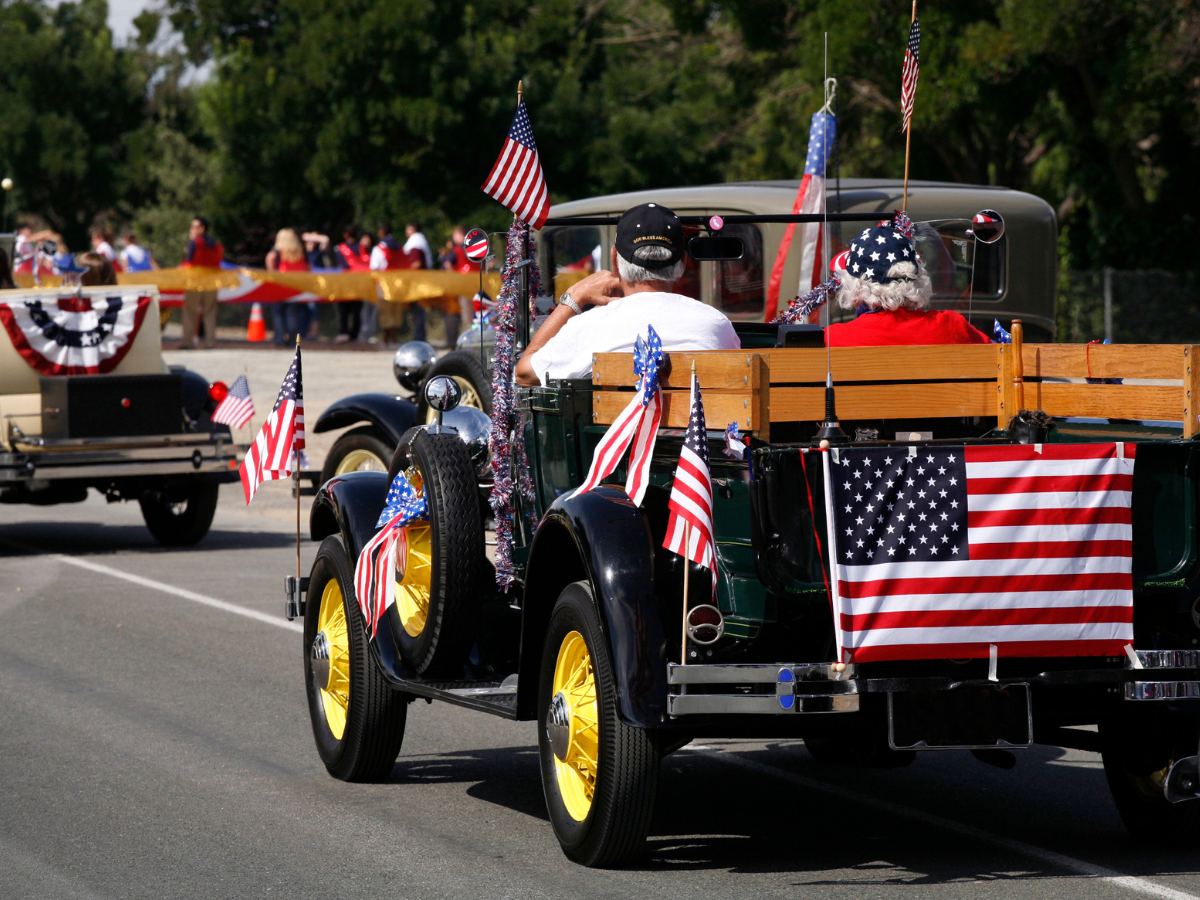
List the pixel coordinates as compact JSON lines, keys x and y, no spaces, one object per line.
{"x":882,"y":277}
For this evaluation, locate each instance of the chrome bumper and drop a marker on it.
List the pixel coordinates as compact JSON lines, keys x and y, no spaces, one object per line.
{"x":767,"y":689}
{"x":1164,"y":688}
{"x":171,"y":454}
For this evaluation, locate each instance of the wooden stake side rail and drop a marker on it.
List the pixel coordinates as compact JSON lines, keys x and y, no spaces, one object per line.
{"x":758,"y":387}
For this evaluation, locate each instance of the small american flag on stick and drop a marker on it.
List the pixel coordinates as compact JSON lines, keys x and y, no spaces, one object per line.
{"x":516,"y":179}
{"x":282,"y":435}
{"x":238,"y":406}
{"x":376,"y":570}
{"x":690,"y":522}
{"x":912,"y":68}
{"x":939,"y":552}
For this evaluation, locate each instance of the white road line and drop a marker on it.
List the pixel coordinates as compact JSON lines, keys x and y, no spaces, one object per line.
{"x":202,"y":599}
{"x":1129,"y":882}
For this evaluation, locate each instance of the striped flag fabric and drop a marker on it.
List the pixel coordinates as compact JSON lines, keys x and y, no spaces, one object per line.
{"x":940,"y":552}
{"x":375,"y":571}
{"x":516,"y":179}
{"x":690,"y":506}
{"x":637,"y":425}
{"x":282,"y":435}
{"x":912,"y":68}
{"x":810,"y":199}
{"x":238,"y":406}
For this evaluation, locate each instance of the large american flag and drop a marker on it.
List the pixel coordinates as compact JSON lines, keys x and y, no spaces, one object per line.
{"x":810,"y":198}
{"x":516,"y":179}
{"x":690,"y":520}
{"x":912,"y":68}
{"x":271,"y":455}
{"x":238,"y":406}
{"x":375,"y":571}
{"x":939,"y":552}
{"x":637,"y":425}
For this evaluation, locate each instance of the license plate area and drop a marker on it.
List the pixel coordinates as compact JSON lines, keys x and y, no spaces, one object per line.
{"x":972,"y":717}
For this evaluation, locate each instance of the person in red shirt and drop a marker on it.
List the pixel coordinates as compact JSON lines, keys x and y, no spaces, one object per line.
{"x":882,"y":278}
{"x":202,"y":252}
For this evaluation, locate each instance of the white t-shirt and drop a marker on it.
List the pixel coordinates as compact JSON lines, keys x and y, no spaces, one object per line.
{"x":105,"y":249}
{"x":681,"y":322}
{"x":379,"y":260}
{"x":135,"y":258}
{"x":418,"y":241}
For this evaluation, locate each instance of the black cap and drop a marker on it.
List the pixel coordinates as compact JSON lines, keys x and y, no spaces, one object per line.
{"x":650,"y":225}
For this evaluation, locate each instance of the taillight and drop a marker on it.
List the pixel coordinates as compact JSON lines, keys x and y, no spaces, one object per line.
{"x":218,"y":391}
{"x":705,"y":624}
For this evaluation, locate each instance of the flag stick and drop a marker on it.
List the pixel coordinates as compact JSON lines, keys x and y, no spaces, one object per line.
{"x":296,"y":469}
{"x":687,"y":568}
{"x":908,"y":140}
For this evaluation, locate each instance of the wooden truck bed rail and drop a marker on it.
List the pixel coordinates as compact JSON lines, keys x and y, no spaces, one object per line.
{"x":758,"y":387}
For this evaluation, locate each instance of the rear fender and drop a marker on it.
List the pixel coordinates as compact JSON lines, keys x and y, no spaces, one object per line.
{"x":390,"y":414}
{"x":602,"y":538}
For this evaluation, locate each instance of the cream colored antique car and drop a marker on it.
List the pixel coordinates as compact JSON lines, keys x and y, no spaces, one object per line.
{"x":86,"y":401}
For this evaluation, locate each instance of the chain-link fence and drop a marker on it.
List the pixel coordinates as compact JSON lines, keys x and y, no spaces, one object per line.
{"x":1145,"y":306}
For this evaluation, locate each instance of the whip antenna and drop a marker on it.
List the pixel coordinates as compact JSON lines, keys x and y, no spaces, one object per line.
{"x":831,"y":429}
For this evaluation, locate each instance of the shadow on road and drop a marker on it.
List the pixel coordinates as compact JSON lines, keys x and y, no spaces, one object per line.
{"x":98,"y":539}
{"x":506,"y":776}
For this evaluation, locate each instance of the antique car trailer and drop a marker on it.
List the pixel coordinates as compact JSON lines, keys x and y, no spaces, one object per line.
{"x":588,"y":643}
{"x":581,"y":241}
{"x":141,"y":431}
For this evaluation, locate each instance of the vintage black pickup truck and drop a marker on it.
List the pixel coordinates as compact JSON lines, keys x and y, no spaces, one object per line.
{"x":591,"y":641}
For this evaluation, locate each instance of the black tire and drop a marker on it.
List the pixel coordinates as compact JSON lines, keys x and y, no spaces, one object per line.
{"x":358,"y":442}
{"x":180,"y":519}
{"x":374,"y":714}
{"x":1138,"y":745}
{"x":457,"y":561}
{"x":613,"y":831}
{"x":464,"y":367}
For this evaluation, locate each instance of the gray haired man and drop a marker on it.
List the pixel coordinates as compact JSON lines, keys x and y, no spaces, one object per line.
{"x":648,"y":258}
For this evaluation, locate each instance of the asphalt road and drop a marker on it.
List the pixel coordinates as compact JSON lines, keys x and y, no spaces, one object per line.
{"x":154,"y":742}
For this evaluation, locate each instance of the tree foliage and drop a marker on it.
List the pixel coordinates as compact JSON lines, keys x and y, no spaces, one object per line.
{"x":317,"y":113}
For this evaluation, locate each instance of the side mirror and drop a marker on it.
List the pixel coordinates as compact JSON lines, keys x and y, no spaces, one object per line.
{"x":988,"y":226}
{"x":443,"y":394}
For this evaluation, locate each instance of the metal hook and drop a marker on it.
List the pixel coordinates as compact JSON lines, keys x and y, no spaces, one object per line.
{"x":830,"y":95}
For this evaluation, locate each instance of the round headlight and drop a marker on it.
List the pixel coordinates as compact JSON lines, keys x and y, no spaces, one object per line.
{"x":411,"y":364}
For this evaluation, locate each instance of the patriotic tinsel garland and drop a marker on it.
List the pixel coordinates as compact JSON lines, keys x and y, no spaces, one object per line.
{"x":507,"y":440}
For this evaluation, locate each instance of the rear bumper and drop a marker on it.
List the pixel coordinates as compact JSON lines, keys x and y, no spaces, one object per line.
{"x":91,"y":459}
{"x":791,"y":688}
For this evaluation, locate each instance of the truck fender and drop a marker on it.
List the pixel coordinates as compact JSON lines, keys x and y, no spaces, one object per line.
{"x":602,"y":538}
{"x":390,"y":414}
{"x":348,"y":505}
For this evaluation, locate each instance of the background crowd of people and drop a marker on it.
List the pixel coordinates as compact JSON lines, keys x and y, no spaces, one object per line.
{"x":44,"y":253}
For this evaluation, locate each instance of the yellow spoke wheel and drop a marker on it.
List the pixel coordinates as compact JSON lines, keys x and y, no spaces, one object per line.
{"x":335,"y":693}
{"x":414,"y":577}
{"x":360,"y":461}
{"x":574,"y":692}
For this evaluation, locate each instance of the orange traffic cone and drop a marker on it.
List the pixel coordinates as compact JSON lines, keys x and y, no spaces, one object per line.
{"x":257,"y":329}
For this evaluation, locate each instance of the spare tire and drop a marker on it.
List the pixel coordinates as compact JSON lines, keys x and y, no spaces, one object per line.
{"x":440,"y":563}
{"x":465,"y":368}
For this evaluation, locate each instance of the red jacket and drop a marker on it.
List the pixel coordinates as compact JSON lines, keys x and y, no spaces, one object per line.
{"x":904,"y":327}
{"x":204,"y":253}
{"x":354,"y":260}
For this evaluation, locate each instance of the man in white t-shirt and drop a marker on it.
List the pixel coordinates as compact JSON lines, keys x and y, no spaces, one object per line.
{"x":648,"y":257}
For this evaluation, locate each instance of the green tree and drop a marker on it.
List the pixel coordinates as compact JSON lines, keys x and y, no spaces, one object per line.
{"x":69,"y":103}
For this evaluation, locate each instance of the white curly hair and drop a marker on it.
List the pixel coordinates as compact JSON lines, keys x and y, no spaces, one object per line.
{"x":910,"y":289}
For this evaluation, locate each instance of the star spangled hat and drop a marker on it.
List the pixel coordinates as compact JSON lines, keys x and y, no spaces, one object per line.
{"x":875,"y":251}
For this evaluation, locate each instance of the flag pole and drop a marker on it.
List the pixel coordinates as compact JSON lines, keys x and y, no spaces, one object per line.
{"x":520,"y":91}
{"x":908,"y":139}
{"x":296,"y":469}
{"x":687,"y":567}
